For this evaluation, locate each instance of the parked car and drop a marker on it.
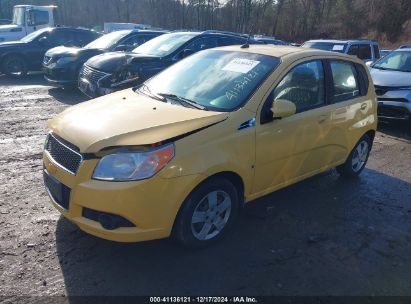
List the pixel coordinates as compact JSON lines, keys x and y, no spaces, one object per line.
{"x":19,"y":57}
{"x":180,"y":154}
{"x":269,"y":40}
{"x":110,"y":72}
{"x":392,"y":80}
{"x":4,"y":21}
{"x":385,"y":52}
{"x":366,"y":50}
{"x":405,"y":46}
{"x":61,"y":65}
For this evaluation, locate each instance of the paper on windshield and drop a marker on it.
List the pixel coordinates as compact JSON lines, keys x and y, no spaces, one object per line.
{"x":241,"y":65}
{"x":338,"y":47}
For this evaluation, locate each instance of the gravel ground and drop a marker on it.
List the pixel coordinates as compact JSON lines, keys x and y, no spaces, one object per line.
{"x":322,"y":236}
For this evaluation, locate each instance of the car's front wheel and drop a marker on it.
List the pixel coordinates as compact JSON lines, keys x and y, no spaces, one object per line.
{"x":357,"y":159}
{"x":207,"y":214}
{"x":14,"y":66}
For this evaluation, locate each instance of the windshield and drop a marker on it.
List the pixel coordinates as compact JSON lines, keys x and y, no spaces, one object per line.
{"x":18,"y":16}
{"x":34,"y":35}
{"x":326,"y":46}
{"x":107,"y":41}
{"x":217,"y":80}
{"x":396,"y":61}
{"x":165,"y":44}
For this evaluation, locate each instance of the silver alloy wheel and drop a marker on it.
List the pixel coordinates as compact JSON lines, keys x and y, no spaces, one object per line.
{"x":360,"y":156}
{"x":211,"y":215}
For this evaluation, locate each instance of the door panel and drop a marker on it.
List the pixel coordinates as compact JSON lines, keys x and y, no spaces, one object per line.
{"x":293,"y":147}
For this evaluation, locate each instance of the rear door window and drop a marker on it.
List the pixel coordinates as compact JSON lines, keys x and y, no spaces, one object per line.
{"x":345,"y":83}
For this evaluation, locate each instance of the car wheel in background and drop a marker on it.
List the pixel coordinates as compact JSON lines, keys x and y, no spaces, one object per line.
{"x":357,"y":159}
{"x":14,"y":66}
{"x":207,"y":213}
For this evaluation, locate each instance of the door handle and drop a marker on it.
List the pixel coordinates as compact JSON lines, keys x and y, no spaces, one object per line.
{"x":363,"y":106}
{"x":322,"y":118}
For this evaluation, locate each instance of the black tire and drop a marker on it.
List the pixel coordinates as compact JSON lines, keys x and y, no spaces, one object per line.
{"x":188,"y":233}
{"x":14,"y":66}
{"x":352,"y":168}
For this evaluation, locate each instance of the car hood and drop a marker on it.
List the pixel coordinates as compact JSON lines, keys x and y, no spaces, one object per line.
{"x":63,"y":51}
{"x":114,"y":61}
{"x":388,"y":78}
{"x":127,"y":118}
{"x":8,"y":27}
{"x":11,"y":44}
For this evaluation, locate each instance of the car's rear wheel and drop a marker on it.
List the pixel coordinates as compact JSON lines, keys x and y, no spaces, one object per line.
{"x":357,"y":159}
{"x":14,"y":66}
{"x":207,"y":214}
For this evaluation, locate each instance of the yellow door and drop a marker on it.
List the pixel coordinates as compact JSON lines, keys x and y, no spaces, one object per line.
{"x":292,"y":148}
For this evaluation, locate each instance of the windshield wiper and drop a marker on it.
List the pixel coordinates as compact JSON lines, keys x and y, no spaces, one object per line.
{"x":182,"y":100}
{"x":144,"y":89}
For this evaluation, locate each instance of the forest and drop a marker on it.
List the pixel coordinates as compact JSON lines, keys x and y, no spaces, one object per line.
{"x":389,"y":21}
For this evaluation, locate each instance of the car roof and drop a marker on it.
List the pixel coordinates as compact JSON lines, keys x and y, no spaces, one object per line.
{"x":343,"y":41}
{"x":283,"y":51}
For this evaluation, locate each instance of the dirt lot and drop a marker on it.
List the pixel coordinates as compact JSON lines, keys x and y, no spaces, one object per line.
{"x":323,"y":236}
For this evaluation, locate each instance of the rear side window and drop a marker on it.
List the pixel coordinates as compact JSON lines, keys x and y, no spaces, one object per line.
{"x":202,"y":44}
{"x":303,"y":85}
{"x":345,"y":84}
{"x":223,"y":41}
{"x":364,"y":51}
{"x":353,"y":50}
{"x":376,"y":51}
{"x":136,"y":40}
{"x":362,"y":79}
{"x":39,"y":17}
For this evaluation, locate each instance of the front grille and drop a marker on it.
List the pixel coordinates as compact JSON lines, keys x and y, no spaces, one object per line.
{"x":392,"y":99}
{"x":382,"y":90}
{"x":92,"y":75}
{"x":58,"y":191}
{"x":393,"y":112}
{"x":63,"y":153}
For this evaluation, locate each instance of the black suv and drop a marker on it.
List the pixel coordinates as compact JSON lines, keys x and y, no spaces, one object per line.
{"x":109,"y":72}
{"x":61,"y":65}
{"x":19,"y":57}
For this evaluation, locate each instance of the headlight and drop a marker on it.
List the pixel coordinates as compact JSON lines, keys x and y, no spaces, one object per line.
{"x":129,"y":166}
{"x":65,"y":60}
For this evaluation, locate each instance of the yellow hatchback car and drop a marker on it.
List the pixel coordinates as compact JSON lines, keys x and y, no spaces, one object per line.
{"x":180,"y":154}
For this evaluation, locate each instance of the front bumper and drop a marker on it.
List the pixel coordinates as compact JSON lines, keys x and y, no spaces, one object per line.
{"x":60,"y":77}
{"x":394,"y":104}
{"x":151,"y":205}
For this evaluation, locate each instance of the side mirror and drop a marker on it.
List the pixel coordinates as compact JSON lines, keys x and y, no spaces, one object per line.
{"x":187,"y":52}
{"x":121,"y":48}
{"x":282,"y":108}
{"x":43,"y":40}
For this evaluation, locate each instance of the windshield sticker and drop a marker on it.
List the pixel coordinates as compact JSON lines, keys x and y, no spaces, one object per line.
{"x":241,"y":84}
{"x":338,"y":47}
{"x":241,"y":65}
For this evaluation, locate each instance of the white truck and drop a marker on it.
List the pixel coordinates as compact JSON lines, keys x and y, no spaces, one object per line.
{"x":27,"y":19}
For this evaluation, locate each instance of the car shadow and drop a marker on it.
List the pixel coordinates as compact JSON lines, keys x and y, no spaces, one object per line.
{"x":69,"y":96}
{"x":401,"y":129}
{"x":323,"y":236}
{"x":33,"y":78}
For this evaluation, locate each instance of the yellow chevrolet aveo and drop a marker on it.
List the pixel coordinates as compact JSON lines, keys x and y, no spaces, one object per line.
{"x":181,"y":154}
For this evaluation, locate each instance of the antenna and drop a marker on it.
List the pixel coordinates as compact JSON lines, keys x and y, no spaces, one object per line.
{"x":246,"y":45}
